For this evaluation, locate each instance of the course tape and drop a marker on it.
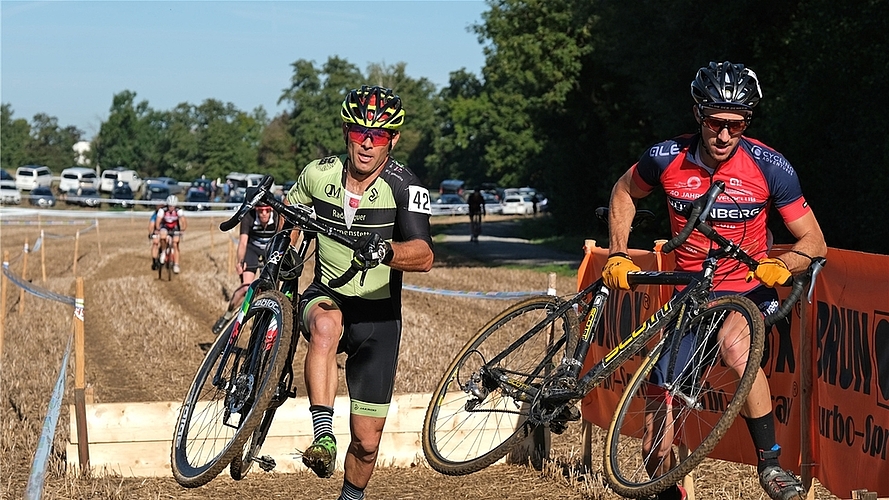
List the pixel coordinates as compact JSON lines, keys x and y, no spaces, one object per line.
{"x":36,"y":290}
{"x":476,"y":295}
{"x":34,"y":490}
{"x":20,"y":222}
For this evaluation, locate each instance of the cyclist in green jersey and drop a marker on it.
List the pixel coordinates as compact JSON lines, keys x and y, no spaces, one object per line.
{"x":368,"y":195}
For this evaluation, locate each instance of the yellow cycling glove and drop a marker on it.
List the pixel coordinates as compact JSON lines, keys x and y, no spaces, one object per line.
{"x":614,"y":274}
{"x":770,"y":272}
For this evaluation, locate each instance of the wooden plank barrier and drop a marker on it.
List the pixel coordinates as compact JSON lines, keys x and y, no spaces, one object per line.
{"x":134,"y":439}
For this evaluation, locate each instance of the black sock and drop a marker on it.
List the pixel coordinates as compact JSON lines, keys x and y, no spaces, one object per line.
{"x":671,"y":493}
{"x":762,"y":430}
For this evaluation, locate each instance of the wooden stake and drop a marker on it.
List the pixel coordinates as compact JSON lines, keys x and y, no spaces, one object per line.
{"x":43,"y":255}
{"x":76,"y":245}
{"x":98,"y":239}
{"x":25,"y":253}
{"x":211,"y":235}
{"x":3,"y":301}
{"x":83,"y":451}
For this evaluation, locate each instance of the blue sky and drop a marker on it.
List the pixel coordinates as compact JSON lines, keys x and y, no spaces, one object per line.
{"x":68,"y":58}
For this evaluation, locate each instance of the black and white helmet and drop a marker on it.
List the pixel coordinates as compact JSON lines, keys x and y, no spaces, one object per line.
{"x":726,"y":86}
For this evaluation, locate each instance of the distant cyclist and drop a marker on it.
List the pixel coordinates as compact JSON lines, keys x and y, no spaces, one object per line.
{"x":171,"y":223}
{"x":257,"y":228}
{"x":152,"y":237}
{"x":476,"y":204}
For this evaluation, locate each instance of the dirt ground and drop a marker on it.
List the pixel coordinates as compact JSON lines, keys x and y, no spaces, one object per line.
{"x":144,"y":339}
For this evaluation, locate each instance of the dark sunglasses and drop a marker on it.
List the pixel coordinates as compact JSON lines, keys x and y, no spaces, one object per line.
{"x":734,"y":127}
{"x":378,"y":136}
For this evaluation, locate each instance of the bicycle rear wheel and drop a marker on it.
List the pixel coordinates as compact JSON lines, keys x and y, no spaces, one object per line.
{"x":471,"y":422}
{"x":230,"y":394}
{"x":642,"y":450}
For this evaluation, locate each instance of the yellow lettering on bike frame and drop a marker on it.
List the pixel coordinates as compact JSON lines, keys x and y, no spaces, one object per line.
{"x":588,"y":330}
{"x":657,"y":316}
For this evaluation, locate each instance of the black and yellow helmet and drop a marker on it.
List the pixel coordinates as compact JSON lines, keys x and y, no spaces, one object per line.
{"x":373,"y":107}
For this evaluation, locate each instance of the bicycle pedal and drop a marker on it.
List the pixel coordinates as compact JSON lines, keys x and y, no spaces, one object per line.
{"x":558,"y":427}
{"x":570,"y":414}
{"x":266,"y":462}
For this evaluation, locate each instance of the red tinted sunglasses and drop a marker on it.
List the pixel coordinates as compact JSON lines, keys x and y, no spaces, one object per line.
{"x":378,"y":136}
{"x":734,"y":127}
{"x":263,"y":209}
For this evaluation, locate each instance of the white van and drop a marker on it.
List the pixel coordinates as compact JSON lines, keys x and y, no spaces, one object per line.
{"x":75,"y":177}
{"x":30,"y":176}
{"x":111,"y":176}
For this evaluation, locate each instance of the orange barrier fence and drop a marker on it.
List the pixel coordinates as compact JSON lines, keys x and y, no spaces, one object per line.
{"x":837,"y":394}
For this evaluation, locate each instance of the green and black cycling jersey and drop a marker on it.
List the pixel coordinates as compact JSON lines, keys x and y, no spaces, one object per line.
{"x":395,"y":205}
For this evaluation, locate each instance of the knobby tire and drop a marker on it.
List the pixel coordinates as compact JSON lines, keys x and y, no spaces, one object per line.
{"x":463,"y":433}
{"x":203,"y":444}
{"x":704,"y":402}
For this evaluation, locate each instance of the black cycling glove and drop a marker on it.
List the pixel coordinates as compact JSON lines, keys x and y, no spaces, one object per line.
{"x":372,"y":250}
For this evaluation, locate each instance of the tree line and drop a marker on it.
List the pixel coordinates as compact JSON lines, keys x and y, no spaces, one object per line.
{"x":571,"y":94}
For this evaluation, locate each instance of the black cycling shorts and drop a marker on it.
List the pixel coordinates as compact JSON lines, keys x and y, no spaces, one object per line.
{"x":252,"y":257}
{"x":765,"y":298}
{"x":371,"y":339}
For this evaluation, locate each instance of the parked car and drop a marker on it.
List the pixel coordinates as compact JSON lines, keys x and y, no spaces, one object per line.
{"x":6,"y":176}
{"x":450,"y":204}
{"x":123,"y":194}
{"x":171,"y":183}
{"x":42,"y":196}
{"x":9,"y":194}
{"x":156,"y":191}
{"x":84,"y":197}
{"x":30,"y":176}
{"x":492,"y":204}
{"x":75,"y":177}
{"x":111,"y":177}
{"x":197,"y":199}
{"x":516,"y":204}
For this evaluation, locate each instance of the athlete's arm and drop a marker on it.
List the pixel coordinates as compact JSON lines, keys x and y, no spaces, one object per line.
{"x":809,"y":241}
{"x":242,"y":253}
{"x":622,"y":209}
{"x":182,"y":222}
{"x":411,"y":256}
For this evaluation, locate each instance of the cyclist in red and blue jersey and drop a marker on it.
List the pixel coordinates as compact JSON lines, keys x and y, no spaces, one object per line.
{"x":757,"y":178}
{"x":171,"y":223}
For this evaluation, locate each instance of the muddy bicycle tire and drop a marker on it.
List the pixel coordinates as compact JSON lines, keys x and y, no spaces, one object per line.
{"x":704,"y":401}
{"x":464,"y":434}
{"x":208,"y":434}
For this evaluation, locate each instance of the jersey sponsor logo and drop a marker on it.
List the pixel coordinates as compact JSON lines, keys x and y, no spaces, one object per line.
{"x":338,"y":214}
{"x":663,"y":150}
{"x":773,"y":158}
{"x":332,"y":191}
{"x":374,"y":194}
{"x":734,"y":182}
{"x":418,"y":200}
{"x":694,"y":182}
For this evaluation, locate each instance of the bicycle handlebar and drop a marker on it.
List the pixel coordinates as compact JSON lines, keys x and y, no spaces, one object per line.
{"x":798,"y":284}
{"x":697,"y":216}
{"x":697,"y":219}
{"x":300,"y":216}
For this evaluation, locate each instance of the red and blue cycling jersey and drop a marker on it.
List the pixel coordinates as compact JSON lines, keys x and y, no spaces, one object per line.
{"x":756,"y":177}
{"x":169,"y":218}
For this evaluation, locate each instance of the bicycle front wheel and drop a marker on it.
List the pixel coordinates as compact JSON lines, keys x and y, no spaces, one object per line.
{"x":471,"y":421}
{"x":231,"y":391}
{"x":660,"y":434}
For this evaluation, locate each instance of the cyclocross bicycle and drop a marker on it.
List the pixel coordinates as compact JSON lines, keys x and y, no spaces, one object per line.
{"x":247,"y":373}
{"x":523,"y":370}
{"x":165,"y":256}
